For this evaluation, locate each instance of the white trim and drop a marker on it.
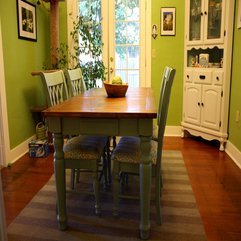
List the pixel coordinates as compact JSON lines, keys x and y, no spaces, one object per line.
{"x":173,"y":131}
{"x":234,"y":153}
{"x":3,"y":233}
{"x":148,"y":43}
{"x":19,"y":150}
{"x":4,"y":134}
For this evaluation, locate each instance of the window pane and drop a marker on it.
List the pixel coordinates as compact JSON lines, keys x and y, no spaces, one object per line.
{"x":195,"y":20}
{"x":120,"y":9}
{"x":133,"y":10}
{"x":121,"y":57}
{"x":133,"y":78}
{"x":120,"y":33}
{"x":133,"y":32}
{"x":133,"y":57}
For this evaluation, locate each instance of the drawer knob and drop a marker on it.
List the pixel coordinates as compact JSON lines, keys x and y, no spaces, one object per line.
{"x":202,"y":77}
{"x":217,"y":78}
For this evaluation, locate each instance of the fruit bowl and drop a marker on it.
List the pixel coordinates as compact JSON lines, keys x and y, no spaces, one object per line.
{"x":115,"y":90}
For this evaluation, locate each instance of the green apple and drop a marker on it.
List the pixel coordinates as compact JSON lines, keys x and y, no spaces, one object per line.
{"x":117,"y":80}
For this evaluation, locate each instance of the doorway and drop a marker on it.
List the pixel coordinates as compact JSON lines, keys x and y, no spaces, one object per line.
{"x":126,"y":37}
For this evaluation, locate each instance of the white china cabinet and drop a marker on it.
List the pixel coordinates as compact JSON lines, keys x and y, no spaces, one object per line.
{"x":207,"y":68}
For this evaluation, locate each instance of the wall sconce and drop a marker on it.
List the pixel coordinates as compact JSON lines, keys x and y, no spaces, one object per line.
{"x":154,"y":31}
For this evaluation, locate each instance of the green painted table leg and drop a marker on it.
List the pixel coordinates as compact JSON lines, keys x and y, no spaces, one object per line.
{"x":145,"y":188}
{"x":60,"y":182}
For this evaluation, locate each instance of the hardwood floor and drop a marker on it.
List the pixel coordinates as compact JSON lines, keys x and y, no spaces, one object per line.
{"x":215,"y":179}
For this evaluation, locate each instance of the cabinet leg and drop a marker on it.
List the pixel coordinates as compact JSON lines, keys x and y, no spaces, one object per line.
{"x":221,"y":148}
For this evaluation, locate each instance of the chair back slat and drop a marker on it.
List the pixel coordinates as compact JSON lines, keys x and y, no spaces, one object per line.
{"x":75,"y":81}
{"x":167,"y":82}
{"x":55,"y":87}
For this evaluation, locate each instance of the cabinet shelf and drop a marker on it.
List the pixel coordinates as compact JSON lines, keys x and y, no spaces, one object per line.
{"x":215,"y":56}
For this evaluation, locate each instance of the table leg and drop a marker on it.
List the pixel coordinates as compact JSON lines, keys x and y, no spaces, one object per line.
{"x":60,"y":182}
{"x":145,"y":188}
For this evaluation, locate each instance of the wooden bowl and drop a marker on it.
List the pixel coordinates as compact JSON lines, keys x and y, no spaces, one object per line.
{"x":114,"y":90}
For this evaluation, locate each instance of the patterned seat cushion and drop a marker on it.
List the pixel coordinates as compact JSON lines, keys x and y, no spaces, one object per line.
{"x":155,"y":133}
{"x":128,"y":150}
{"x":85,"y":147}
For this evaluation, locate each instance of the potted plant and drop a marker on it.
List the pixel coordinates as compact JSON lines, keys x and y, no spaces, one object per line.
{"x":86,"y":35}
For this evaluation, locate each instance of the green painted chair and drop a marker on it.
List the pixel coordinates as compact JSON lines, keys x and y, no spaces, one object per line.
{"x":76,"y":86}
{"x":80,"y":152}
{"x":127,"y":154}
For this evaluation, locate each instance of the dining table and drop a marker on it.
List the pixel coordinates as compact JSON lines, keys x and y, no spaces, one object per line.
{"x":94,"y":113}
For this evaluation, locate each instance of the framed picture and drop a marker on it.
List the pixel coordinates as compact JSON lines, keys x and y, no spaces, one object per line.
{"x":27,"y":26}
{"x":168,"y":21}
{"x":239,"y":15}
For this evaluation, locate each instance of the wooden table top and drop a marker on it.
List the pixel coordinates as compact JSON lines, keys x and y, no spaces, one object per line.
{"x":94,"y":103}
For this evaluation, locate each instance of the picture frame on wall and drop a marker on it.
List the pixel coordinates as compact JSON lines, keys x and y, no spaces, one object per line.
{"x":27,"y":23}
{"x":239,"y":15}
{"x":168,"y":21}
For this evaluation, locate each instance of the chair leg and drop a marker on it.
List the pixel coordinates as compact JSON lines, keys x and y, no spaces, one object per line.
{"x":105,"y":168}
{"x":109,"y":163}
{"x":96,"y":188}
{"x":114,"y":142}
{"x":116,"y":183}
{"x":78,"y":175}
{"x":157,"y":198}
{"x":72,"y":179}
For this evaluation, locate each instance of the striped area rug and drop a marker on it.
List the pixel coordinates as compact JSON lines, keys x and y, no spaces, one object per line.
{"x":181,"y":219}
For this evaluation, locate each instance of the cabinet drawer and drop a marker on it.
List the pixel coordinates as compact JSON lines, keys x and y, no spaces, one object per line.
{"x":218,"y":77}
{"x":188,"y":76}
{"x":202,"y":76}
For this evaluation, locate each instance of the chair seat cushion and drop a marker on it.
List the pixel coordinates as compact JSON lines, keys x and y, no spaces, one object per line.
{"x":155,"y":133}
{"x":129,"y":150}
{"x":85,"y":147}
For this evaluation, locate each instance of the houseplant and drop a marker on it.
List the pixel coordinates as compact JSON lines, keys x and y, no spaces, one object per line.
{"x":86,"y":52}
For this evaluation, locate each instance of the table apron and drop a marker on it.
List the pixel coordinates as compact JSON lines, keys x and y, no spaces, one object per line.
{"x":101,"y":126}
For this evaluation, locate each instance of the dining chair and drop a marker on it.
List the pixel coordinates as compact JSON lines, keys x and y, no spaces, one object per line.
{"x":82,"y":151}
{"x":76,"y":85}
{"x":127,"y":155}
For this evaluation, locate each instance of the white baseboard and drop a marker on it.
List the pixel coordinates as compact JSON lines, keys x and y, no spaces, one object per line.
{"x":173,"y":131}
{"x":234,"y":153}
{"x":17,"y":152}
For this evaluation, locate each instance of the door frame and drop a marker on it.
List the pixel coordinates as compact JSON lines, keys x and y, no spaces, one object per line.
{"x":72,"y":7}
{"x":4,"y":133}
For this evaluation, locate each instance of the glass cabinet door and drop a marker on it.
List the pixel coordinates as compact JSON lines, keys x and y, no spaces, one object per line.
{"x":214,"y":23}
{"x":195,"y":20}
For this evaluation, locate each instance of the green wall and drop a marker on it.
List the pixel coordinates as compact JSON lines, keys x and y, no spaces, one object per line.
{"x":235,"y":100}
{"x":21,"y":57}
{"x":168,"y":51}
